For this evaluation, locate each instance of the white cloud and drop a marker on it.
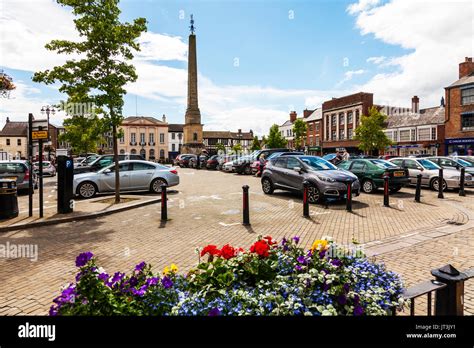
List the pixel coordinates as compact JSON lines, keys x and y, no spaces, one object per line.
{"x":158,"y":47}
{"x":438,"y":34}
{"x":376,"y":60}
{"x":348,"y":76}
{"x":362,"y":5}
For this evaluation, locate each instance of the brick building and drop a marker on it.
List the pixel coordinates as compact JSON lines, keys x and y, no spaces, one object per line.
{"x":314,"y":131}
{"x":14,"y":139}
{"x":459,"y":117}
{"x":228,"y":139}
{"x":341,"y":116}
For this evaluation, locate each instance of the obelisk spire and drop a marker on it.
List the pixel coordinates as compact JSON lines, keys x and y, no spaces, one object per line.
{"x":192,"y":111}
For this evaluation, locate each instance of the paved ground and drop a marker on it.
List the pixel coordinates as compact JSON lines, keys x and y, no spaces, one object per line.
{"x":410,"y":238}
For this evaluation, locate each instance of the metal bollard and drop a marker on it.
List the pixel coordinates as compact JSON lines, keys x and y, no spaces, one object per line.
{"x":440,"y":183}
{"x":164,"y":202}
{"x":305,"y":199}
{"x":450,"y":300}
{"x":386,"y":200}
{"x":461,"y":184}
{"x":246,"y":210}
{"x":349,"y":195}
{"x":418,"y":188}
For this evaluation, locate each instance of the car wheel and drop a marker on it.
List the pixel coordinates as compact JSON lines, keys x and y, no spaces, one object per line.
{"x":314,"y":195}
{"x":155,"y":186}
{"x":395,"y":189}
{"x":435,"y":184}
{"x":368,"y":186}
{"x":267,"y":186}
{"x":247,"y":170}
{"x":87,"y":189}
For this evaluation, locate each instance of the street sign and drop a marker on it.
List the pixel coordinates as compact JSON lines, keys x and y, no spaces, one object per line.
{"x":37,"y":135}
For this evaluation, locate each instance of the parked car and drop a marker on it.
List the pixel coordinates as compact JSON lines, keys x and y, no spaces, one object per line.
{"x":193,"y":161}
{"x":48,"y":168}
{"x":387,"y":157}
{"x":134,"y":176}
{"x":469,"y":159}
{"x":371,"y":174}
{"x":228,"y":167}
{"x":255,"y":164}
{"x":430,"y":173}
{"x":184,"y":160}
{"x":104,"y":161}
{"x":88,"y":160}
{"x":18,"y":170}
{"x":326,"y":180}
{"x":224,"y":159}
{"x":453,"y":163}
{"x":212,"y":162}
{"x":242,"y":164}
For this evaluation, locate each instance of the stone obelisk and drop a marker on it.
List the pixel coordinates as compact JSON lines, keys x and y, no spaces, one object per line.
{"x":192,"y":129}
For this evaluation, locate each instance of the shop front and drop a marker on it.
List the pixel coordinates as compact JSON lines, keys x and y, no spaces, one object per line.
{"x":413,"y":149}
{"x":460,"y":146}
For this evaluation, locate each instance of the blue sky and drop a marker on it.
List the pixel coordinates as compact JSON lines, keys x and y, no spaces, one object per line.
{"x":257,"y":60}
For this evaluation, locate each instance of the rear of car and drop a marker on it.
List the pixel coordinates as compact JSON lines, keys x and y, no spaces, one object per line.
{"x":48,"y":168}
{"x":104,"y":161}
{"x":212,"y":162}
{"x":18,"y":171}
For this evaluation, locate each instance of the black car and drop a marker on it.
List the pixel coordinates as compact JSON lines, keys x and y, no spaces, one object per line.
{"x":104,"y":161}
{"x":243,"y":164}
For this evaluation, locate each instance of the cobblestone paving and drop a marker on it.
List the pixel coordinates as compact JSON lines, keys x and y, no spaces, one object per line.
{"x":206,"y":208}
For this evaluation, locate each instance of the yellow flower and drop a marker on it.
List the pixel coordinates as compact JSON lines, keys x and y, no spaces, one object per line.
{"x":166,"y":270}
{"x":174,"y":268}
{"x":319,"y":245}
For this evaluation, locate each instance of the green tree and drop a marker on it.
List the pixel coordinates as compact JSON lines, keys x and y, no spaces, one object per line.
{"x":275,"y":140}
{"x":299,"y":133}
{"x":255,"y":144}
{"x":237,"y":148}
{"x":220,"y":147}
{"x":83,"y":133}
{"x":103,"y":67}
{"x":370,"y":132}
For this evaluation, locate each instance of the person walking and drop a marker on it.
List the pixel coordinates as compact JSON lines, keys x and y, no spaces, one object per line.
{"x":345,"y":155}
{"x":261,"y":159}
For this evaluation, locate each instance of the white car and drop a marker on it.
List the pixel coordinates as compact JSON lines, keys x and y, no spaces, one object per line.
{"x":135,"y":175}
{"x":228,"y":167}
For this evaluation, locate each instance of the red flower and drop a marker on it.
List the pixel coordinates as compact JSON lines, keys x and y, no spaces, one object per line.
{"x":269,"y":240}
{"x":228,"y":251}
{"x":211,"y":250}
{"x":261,"y":248}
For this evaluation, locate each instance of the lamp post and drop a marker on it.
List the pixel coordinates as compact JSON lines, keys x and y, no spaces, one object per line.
{"x":48,"y":110}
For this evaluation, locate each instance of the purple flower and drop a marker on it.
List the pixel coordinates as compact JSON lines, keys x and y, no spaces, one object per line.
{"x":336,"y":262}
{"x":322,"y":253}
{"x":133,"y":281}
{"x":356,"y":299}
{"x":326,"y":287}
{"x":346,"y":287}
{"x":79,"y":276}
{"x":104,"y":277}
{"x":152,"y":281}
{"x":283,"y":241}
{"x":140,"y":266}
{"x":296,"y":239}
{"x":141,"y":291}
{"x":285,"y":247}
{"x":342,"y":299}
{"x":53,"y":311}
{"x":301,"y":259}
{"x":298,"y":267}
{"x":167,"y":282}
{"x":358,"y":310}
{"x":214,"y":312}
{"x":118,"y":277}
{"x":83,"y":258}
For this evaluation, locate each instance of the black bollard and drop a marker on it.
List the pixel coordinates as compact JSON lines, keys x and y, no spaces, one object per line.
{"x":418,"y":188}
{"x":349,"y":195}
{"x":164,"y":203}
{"x":461,"y":184}
{"x":246,"y":208}
{"x":305,"y":199}
{"x":440,"y":183}
{"x":386,"y":200}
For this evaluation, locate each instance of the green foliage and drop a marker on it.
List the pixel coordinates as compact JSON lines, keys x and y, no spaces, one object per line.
{"x":370,"y":132}
{"x":102,"y":67}
{"x":275,"y":140}
{"x":220,"y":147}
{"x":237,"y":148}
{"x":299,"y":133}
{"x":83,"y":133}
{"x":255,"y":144}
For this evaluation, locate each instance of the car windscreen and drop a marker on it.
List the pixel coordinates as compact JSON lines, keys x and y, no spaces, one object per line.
{"x":464,"y":163}
{"x":274,"y":155}
{"x":318,"y":163}
{"x":428,"y":164}
{"x":383,"y":164}
{"x":11,"y":168}
{"x":329,"y":157}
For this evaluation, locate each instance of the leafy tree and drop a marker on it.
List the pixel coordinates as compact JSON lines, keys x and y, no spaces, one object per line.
{"x":275,"y":139}
{"x":237,"y":148}
{"x":370,"y":132}
{"x":220,"y":147}
{"x":83,"y":133}
{"x":263,"y":141}
{"x":103,"y":67}
{"x":255,"y":144}
{"x":299,"y":133}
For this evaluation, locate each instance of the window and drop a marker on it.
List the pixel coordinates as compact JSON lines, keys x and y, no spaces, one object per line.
{"x":162,"y":137}
{"x":410,"y":164}
{"x":173,"y":135}
{"x":162,"y":153}
{"x":467,"y":96}
{"x":333,"y":120}
{"x":195,"y":137}
{"x":405,"y":135}
{"x":142,"y":137}
{"x":18,"y":142}
{"x":350,"y":134}
{"x":317,"y":127}
{"x":341,"y":118}
{"x":152,"y":137}
{"x":292,"y":163}
{"x":342,"y":134}
{"x":173,"y":147}
{"x":413,"y":135}
{"x":133,"y":151}
{"x":281,"y":162}
{"x":316,"y":141}
{"x":142,"y":166}
{"x":8,"y":142}
{"x":358,"y":165}
{"x":122,"y":151}
{"x":349,"y":117}
{"x":424,"y":134}
{"x":333,"y":135}
{"x":433,"y":133}
{"x":467,"y":121}
{"x":133,"y":138}
{"x":310,"y":127}
{"x":122,"y":139}
{"x":357,"y":118}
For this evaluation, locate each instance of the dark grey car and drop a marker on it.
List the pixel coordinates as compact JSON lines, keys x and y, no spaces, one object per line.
{"x":326,"y":180}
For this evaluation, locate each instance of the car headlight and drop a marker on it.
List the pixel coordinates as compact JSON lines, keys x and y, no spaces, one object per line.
{"x":326,"y":178}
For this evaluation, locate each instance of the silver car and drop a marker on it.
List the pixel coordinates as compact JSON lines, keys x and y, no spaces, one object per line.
{"x":135,"y":175}
{"x":429,"y":173}
{"x":326,"y":180}
{"x":228,"y":167}
{"x":48,"y":168}
{"x":453,"y":163}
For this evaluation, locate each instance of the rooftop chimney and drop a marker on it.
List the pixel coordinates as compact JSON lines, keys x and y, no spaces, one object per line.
{"x":240,"y":130}
{"x":307,"y":112}
{"x":164,"y":118}
{"x":293,"y":115}
{"x":8,"y":119}
{"x":466,"y":68}
{"x":251,"y":132}
{"x":415,"y":104}
{"x":442,"y":101}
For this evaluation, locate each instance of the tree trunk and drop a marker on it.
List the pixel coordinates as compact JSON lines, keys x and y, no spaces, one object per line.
{"x":116,"y":161}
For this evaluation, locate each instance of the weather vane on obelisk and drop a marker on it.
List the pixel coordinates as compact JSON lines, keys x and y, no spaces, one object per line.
{"x":192,"y":25}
